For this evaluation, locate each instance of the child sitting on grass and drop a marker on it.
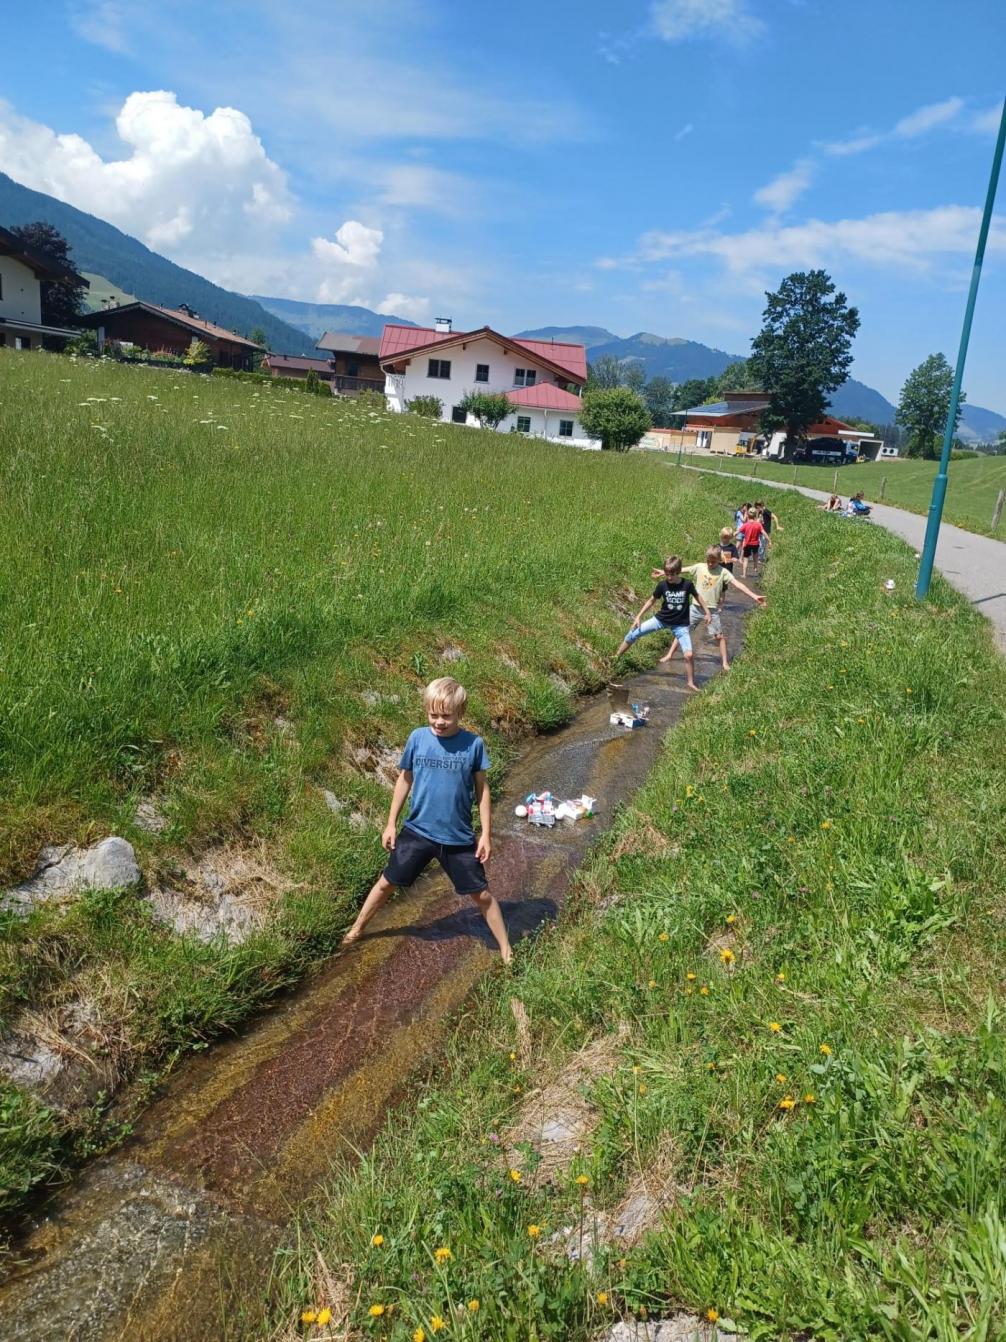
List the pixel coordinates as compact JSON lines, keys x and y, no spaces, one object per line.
{"x":712,"y":580}
{"x":444,"y":767}
{"x":673,"y":596}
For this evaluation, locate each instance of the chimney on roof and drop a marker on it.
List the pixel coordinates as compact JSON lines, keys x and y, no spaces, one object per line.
{"x":442,"y":325}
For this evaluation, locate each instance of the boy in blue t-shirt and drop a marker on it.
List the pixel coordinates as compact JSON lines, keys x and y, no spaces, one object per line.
{"x":444,"y":767}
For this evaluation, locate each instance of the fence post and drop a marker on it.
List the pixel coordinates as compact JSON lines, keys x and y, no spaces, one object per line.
{"x":834,"y":484}
{"x":754,"y":468}
{"x":883,"y":487}
{"x":795,"y":469}
{"x":997,"y":511}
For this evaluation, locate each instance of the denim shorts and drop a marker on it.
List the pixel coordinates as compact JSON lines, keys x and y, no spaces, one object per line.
{"x":413,"y":853}
{"x":655,"y":626}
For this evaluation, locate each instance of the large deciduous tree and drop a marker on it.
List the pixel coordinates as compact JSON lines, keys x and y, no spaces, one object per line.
{"x":605,"y":372}
{"x":62,"y":300}
{"x":922,"y":409}
{"x":696,"y":391}
{"x":803,"y":351}
{"x":616,"y":415}
{"x":659,"y":397}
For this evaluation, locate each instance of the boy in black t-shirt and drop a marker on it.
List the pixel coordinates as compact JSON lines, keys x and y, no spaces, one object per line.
{"x":673,"y":597}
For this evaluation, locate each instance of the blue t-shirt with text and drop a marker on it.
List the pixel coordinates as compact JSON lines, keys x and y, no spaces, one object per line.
{"x":443,"y":772}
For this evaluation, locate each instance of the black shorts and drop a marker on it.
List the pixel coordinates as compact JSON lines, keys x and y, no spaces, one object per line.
{"x":412,"y":853}
{"x":750,"y":550}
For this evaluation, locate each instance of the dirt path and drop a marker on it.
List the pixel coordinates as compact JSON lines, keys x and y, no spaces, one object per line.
{"x":975,"y":565}
{"x":170,"y":1238}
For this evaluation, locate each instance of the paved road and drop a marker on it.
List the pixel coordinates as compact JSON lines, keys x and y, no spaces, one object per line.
{"x":975,"y":565}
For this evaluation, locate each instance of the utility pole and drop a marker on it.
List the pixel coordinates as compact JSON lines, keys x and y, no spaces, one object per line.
{"x":940,"y":483}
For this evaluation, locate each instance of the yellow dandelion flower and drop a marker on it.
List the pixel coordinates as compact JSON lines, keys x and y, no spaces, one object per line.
{"x":731,"y":918}
{"x":787,"y":1102}
{"x":825,"y":1049}
{"x":908,"y":691}
{"x":689,"y":790}
{"x":826,"y":824}
{"x":642,"y":1087}
{"x":780,"y":1078}
{"x":582,"y":1180}
{"x":324,"y":1317}
{"x":652,"y":983}
{"x":704,"y":990}
{"x":636,"y":1069}
{"x":602,"y":1297}
{"x":375,"y":1311}
{"x":752,"y":732}
{"x":663,"y":937}
{"x":517,"y":1090}
{"x":774,"y":1026}
{"x":436,"y":1324}
{"x":419,"y":1335}
{"x":711,"y":1066}
{"x":443,"y":1254}
{"x":809,"y":1099}
{"x":474,"y":1306}
{"x":534,"y":1231}
{"x":309,"y":1316}
{"x":790,"y":838}
{"x":690,"y":978}
{"x":727,"y":955}
{"x":780,"y":977}
{"x":377,"y":1240}
{"x":516,"y":1176}
{"x":712,"y":1315}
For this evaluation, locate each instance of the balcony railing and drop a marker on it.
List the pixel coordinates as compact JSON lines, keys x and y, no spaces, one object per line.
{"x":345,"y":384}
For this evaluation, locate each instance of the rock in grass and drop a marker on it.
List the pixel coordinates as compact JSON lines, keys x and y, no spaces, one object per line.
{"x":65,"y":872}
{"x":682,"y":1328}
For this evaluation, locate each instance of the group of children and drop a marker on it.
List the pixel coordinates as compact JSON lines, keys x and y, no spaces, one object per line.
{"x":443,"y":767}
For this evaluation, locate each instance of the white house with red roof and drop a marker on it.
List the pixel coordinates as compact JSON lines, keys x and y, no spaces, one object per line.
{"x":543,"y":379}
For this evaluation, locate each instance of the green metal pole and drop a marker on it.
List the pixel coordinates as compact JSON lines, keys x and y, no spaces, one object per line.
{"x":940,"y":483}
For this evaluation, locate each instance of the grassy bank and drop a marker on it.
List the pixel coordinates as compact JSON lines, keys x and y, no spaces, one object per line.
{"x":221,"y":599}
{"x":793,"y":943}
{"x":971,"y":493}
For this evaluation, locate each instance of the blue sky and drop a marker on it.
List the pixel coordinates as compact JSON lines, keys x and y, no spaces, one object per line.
{"x":651,"y":165}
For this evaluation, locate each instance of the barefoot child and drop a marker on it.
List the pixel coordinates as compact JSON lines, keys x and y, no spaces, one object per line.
{"x":728,"y":549}
{"x":444,"y":767}
{"x":751,"y":533}
{"x":712,"y":580}
{"x":673,"y":596}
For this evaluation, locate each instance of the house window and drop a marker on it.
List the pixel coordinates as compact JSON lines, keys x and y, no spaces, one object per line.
{"x":565,"y":428}
{"x":459,"y":415}
{"x":481,"y":372}
{"x":352,"y":368}
{"x":525,"y":377}
{"x":439,"y":368}
{"x":523,"y":423}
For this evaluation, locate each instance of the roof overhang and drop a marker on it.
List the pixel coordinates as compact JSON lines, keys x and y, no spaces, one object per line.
{"x":38,"y":328}
{"x":464,"y":338}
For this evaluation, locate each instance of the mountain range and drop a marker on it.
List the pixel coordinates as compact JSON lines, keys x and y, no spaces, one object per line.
{"x":679,"y":360}
{"x":121,"y":265}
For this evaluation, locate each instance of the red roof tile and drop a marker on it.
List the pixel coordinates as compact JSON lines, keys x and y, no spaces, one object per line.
{"x":542,"y":396}
{"x":399,"y":340}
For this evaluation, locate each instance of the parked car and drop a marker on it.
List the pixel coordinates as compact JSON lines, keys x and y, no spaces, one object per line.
{"x":823,"y":452}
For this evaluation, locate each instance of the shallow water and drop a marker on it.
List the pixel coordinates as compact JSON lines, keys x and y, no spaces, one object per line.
{"x":162,"y":1240}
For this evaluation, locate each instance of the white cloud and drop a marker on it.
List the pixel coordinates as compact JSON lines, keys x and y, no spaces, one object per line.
{"x":405,"y":305}
{"x":779,"y":194}
{"x":102,"y":22}
{"x":926,"y":118}
{"x":186,"y":183}
{"x":681,"y":20}
{"x":685,"y":130}
{"x":355,"y":245}
{"x":855,"y":144}
{"x":987,"y":123}
{"x":911,"y":239}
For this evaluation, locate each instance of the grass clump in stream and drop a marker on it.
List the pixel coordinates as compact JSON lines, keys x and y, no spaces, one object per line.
{"x":222,"y":599}
{"x":793,"y":941}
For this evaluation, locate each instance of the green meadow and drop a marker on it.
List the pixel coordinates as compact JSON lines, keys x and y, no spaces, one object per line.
{"x":971,"y":493}
{"x":792,"y":947}
{"x":223,"y":599}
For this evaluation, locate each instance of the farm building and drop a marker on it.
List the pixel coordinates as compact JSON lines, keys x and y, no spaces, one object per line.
{"x":354,"y":362}
{"x":172,"y":329}
{"x":22,"y":274}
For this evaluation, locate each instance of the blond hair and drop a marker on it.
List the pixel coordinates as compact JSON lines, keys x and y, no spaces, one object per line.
{"x":672,"y":565}
{"x":726,"y":532}
{"x":446,"y":693}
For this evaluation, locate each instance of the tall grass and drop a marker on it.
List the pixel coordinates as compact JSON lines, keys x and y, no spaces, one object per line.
{"x":200,"y":582}
{"x":795,"y":940}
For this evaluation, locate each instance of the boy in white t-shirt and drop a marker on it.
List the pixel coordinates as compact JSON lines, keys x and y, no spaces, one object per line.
{"x":711,"y":580}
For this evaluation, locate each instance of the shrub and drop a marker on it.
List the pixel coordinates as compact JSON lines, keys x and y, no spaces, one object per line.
{"x":198,"y":354}
{"x":85,"y":342}
{"x":430,"y":407}
{"x":616,"y":415}
{"x":490,"y":408}
{"x":963,"y":454}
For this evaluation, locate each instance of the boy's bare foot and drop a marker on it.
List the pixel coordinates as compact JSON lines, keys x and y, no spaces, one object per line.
{"x":692,"y":687}
{"x":350,"y":937}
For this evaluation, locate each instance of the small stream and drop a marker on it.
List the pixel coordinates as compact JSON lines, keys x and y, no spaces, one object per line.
{"x":165,"y":1238}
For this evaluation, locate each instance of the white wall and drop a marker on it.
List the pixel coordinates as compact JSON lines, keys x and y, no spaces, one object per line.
{"x":22,"y":292}
{"x":545,"y":424}
{"x":462,"y":379}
